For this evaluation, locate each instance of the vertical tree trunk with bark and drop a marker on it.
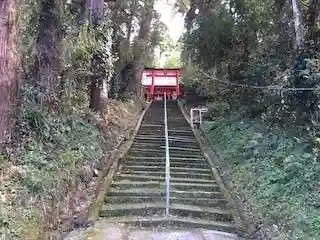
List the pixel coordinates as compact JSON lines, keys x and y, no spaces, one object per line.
{"x":48,"y":47}
{"x":299,"y":28}
{"x":96,"y":10}
{"x":8,"y":65}
{"x":83,"y":11}
{"x":97,"y":86}
{"x":133,"y":9}
{"x":96,"y":83}
{"x":140,"y":48}
{"x":95,"y":96}
{"x":313,"y":32}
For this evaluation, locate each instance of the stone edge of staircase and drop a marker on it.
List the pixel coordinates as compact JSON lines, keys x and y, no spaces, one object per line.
{"x":214,"y":158}
{"x":95,"y":206}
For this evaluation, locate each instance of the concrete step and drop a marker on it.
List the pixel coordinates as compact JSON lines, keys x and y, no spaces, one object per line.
{"x":173,"y":144}
{"x":137,"y":177}
{"x":124,"y":184}
{"x":173,"y":174}
{"x":174,"y":221}
{"x":157,"y":192}
{"x":146,"y":154}
{"x":151,"y":135}
{"x":145,"y":144}
{"x":146,"y":137}
{"x":172,"y":158}
{"x":148,"y":125}
{"x":133,"y":209}
{"x":175,"y":154}
{"x":182,"y":139}
{"x":208,"y":202}
{"x":144,"y":158}
{"x":158,"y":208}
{"x":201,"y":212}
{"x":131,"y":163}
{"x":142,"y":167}
{"x":143,"y":150}
{"x":181,"y":149}
{"x":137,"y":192}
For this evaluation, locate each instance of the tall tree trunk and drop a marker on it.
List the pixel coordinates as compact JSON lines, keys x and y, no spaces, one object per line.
{"x":285,"y":43}
{"x":83,"y":11}
{"x":313,"y":33}
{"x":95,"y":96}
{"x":96,"y":10}
{"x":133,"y":9}
{"x":97,"y":85}
{"x":140,"y":48}
{"x":299,"y":29}
{"x":48,"y":47}
{"x":129,"y":30}
{"x":190,"y":15}
{"x":8,"y":66}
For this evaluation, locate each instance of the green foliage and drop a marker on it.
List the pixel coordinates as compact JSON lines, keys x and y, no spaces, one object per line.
{"x":251,"y":44}
{"x":159,"y":40}
{"x":191,"y":76}
{"x":58,"y":142}
{"x":17,"y":221}
{"x":218,"y":109}
{"x":54,"y":148}
{"x":173,"y":60}
{"x":57,"y":137}
{"x":277,"y":171}
{"x":54,"y":140}
{"x":218,"y":36}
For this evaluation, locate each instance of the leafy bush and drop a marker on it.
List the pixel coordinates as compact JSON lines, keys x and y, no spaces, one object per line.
{"x":277,"y":172}
{"x":51,"y":150}
{"x":216,"y":109}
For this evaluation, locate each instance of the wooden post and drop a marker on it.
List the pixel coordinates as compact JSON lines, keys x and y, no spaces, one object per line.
{"x":152,"y":84}
{"x":177,"y":84}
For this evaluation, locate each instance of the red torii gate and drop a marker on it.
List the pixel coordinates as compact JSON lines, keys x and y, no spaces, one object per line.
{"x":157,"y":81}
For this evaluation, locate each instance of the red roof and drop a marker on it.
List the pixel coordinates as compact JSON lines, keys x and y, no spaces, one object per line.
{"x":150,"y":68}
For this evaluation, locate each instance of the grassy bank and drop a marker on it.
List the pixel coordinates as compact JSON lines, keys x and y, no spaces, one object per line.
{"x":49,"y":175}
{"x":277,"y":173}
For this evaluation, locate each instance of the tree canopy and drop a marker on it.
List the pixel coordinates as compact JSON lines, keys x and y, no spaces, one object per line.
{"x":63,"y":65}
{"x":258,"y":62}
{"x":262,"y":49}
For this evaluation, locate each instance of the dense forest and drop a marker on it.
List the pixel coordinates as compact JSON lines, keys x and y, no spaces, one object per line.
{"x":64,"y":66}
{"x":258,"y":61}
{"x":70,"y":92}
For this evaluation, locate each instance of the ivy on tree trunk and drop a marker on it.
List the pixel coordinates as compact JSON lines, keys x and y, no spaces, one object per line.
{"x":48,"y":62}
{"x":8,"y":66}
{"x":140,"y":48}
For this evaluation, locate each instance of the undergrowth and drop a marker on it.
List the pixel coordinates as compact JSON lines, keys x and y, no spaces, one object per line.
{"x":278,"y":173}
{"x":54,"y":155}
{"x":48,"y":158}
{"x":58,"y":141}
